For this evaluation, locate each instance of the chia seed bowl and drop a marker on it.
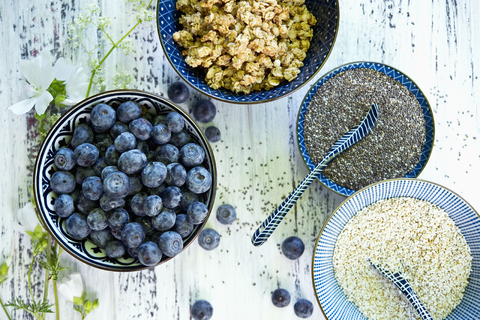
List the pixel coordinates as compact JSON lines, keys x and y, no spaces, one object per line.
{"x":60,"y":136}
{"x":399,"y":145}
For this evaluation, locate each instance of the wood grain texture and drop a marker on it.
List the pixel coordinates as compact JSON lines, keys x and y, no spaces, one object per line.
{"x":435,"y":43}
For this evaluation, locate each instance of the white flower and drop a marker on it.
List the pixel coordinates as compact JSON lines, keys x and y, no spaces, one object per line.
{"x":76,"y":81}
{"x":39,"y":74}
{"x":26,"y":218}
{"x":71,"y":286}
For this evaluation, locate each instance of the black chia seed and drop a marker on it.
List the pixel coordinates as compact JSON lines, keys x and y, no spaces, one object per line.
{"x":393,"y":147}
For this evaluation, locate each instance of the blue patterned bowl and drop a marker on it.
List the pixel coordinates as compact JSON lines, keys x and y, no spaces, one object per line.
{"x":391,"y":72}
{"x":60,"y":135}
{"x":324,"y":35}
{"x":333,"y":301}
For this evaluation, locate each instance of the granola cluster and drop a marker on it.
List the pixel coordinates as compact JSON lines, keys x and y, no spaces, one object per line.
{"x":245,"y":45}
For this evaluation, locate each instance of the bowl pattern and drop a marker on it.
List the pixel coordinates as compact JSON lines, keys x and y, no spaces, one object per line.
{"x":330,"y":297}
{"x":391,"y":72}
{"x":60,"y":135}
{"x":324,"y":35}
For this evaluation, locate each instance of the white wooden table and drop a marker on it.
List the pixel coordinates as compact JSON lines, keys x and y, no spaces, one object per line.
{"x":436,"y":43}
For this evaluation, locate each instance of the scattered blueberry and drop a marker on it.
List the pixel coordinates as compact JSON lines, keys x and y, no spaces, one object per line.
{"x":64,"y":206}
{"x":198,"y":180}
{"x":202,"y":310}
{"x":101,"y":237}
{"x":81,"y":173}
{"x":208,"y":239}
{"x":213,"y":134}
{"x":226,"y":214}
{"x":132,"y":161}
{"x":165,"y":220}
{"x":149,"y":254}
{"x":280,"y":298}
{"x":154,"y":174}
{"x":81,"y":134}
{"x":92,"y":188}
{"x":118,"y":218}
{"x":170,"y":243}
{"x":116,"y":185}
{"x":124,"y":142}
{"x":99,"y":165}
{"x":293,"y":247}
{"x":180,"y":139}
{"x":107,"y":203}
{"x":64,"y":159}
{"x":204,"y":111}
{"x":197,"y":212}
{"x":62,"y":182}
{"x":175,"y":122}
{"x":111,"y":156}
{"x":86,"y":154}
{"x":140,"y":128}
{"x":178,"y":92}
{"x":161,"y":134}
{"x":77,"y":226}
{"x":303,"y":308}
{"x":84,"y":205}
{"x":136,"y":204}
{"x":97,"y":219}
{"x":115,"y":249}
{"x":133,"y":235}
{"x":171,"y":197}
{"x":183,"y":226}
{"x":103,"y":117}
{"x":128,"y":111}
{"x":118,"y":128}
{"x":167,"y":154}
{"x":107,"y":170}
{"x":152,"y":205}
{"x":176,"y":175}
{"x":191,"y":155}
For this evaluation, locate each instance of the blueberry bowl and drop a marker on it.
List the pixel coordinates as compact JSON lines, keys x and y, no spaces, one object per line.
{"x":332,"y":297}
{"x":60,"y":136}
{"x":325,"y":31}
{"x":397,"y":78}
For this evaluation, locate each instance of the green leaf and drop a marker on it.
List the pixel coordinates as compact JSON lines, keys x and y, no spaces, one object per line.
{"x":38,"y":231}
{"x":95,"y":304}
{"x":78,"y":301}
{"x":30,"y":233}
{"x":88,"y":306}
{"x":4,"y":269}
{"x":34,"y":308}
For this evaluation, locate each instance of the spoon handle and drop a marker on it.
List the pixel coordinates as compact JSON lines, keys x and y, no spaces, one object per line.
{"x":346,"y":141}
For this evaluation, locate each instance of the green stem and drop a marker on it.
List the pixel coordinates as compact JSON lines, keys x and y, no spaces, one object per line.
{"x":30,"y":282}
{"x":47,"y":274}
{"x":57,"y":308}
{"x":4,"y":309}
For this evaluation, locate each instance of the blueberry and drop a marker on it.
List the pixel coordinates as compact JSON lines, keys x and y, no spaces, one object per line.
{"x":118,"y":218}
{"x":136,"y":204}
{"x":132,"y":161}
{"x":64,"y":206}
{"x":161,"y":134}
{"x":81,"y":134}
{"x":135,"y":184}
{"x":92,"y":188}
{"x":81,"y":173}
{"x":191,"y":155}
{"x":280,"y":298}
{"x":142,"y":146}
{"x":183,"y":226}
{"x":180,"y":139}
{"x":154,"y":174}
{"x":208,"y":239}
{"x":165,"y":220}
{"x":116,"y":185}
{"x":226,"y":214}
{"x":116,"y":233}
{"x":107,"y":170}
{"x":158,"y":190}
{"x":176,"y":175}
{"x":213,"y":134}
{"x":128,"y":111}
{"x":102,"y":117}
{"x":62,"y":182}
{"x":188,"y":198}
{"x":167,"y":154}
{"x":146,"y":223}
{"x":293,"y":247}
{"x":118,"y":128}
{"x":75,"y":195}
{"x":97,"y":219}
{"x":84,"y":205}
{"x":178,"y":92}
{"x":175,"y":122}
{"x":171,"y":197}
{"x":133,"y":252}
{"x":202,"y":310}
{"x":197,"y":212}
{"x":77,"y":226}
{"x":101,"y":237}
{"x":103,"y":141}
{"x":124,"y":142}
{"x":64,"y":159}
{"x":170,"y":243}
{"x":107,"y":203}
{"x":303,"y":308}
{"x":140,"y":128}
{"x":115,"y":249}
{"x":86,"y":154}
{"x":133,"y":235}
{"x":152,"y":205}
{"x":99,"y":165}
{"x":198,"y":180}
{"x":204,"y":111}
{"x":111,"y":156}
{"x":149,"y":254}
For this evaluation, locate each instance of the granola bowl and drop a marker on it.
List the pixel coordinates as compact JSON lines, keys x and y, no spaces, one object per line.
{"x":331,"y":296}
{"x":60,"y":136}
{"x":326,"y":13}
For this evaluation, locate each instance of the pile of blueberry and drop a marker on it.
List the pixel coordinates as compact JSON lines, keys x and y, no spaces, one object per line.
{"x":132,"y":183}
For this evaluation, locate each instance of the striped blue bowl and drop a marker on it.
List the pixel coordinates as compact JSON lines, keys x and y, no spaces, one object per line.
{"x":330,"y":296}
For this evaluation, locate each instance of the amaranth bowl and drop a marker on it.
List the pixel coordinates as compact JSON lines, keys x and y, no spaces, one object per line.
{"x":60,"y":135}
{"x":330,"y":297}
{"x":324,"y":34}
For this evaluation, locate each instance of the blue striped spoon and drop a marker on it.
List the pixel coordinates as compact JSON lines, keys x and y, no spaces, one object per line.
{"x":402,"y":284}
{"x":346,"y":141}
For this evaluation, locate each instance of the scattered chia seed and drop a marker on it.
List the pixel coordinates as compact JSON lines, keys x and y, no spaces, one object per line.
{"x":393,"y":147}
